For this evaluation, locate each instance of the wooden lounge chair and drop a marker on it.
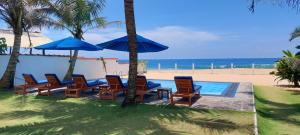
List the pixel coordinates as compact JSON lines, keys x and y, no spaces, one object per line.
{"x":81,"y":84}
{"x":53,"y":83}
{"x":185,"y":89}
{"x":114,"y":86}
{"x":30,"y":82}
{"x":143,"y":86}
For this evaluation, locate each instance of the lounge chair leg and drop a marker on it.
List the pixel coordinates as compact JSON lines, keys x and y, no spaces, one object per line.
{"x":171,"y":99}
{"x":39,"y":92}
{"x":190,"y":101}
{"x":142,"y":98}
{"x":113,"y":96}
{"x":24,"y":91}
{"x":49,"y":92}
{"x":77,"y":94}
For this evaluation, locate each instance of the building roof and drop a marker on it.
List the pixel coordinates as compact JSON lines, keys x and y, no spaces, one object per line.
{"x":37,"y":38}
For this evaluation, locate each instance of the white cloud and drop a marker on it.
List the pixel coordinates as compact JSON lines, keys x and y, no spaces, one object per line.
{"x":103,"y":35}
{"x":176,"y":37}
{"x":166,"y":35}
{"x":180,"y":35}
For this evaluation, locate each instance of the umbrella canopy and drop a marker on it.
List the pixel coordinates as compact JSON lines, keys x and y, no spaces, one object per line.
{"x":69,"y":43}
{"x":143,"y":45}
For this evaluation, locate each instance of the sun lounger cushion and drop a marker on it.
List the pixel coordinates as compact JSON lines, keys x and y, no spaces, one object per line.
{"x":125,"y":85}
{"x":67,"y":82}
{"x":92,"y":83}
{"x":152,"y":85}
{"x":42,"y":81}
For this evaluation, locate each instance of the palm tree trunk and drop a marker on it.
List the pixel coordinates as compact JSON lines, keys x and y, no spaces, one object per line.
{"x":68,"y":76}
{"x":131,"y":33}
{"x":70,"y":71}
{"x":7,"y":80}
{"x":296,"y":83}
{"x":30,"y":42}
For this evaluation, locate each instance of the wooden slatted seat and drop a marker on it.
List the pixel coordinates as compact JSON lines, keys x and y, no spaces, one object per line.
{"x":115,"y":86}
{"x":81,"y":84}
{"x":30,"y":82}
{"x":143,"y":86}
{"x":185,"y":89}
{"x":53,"y":83}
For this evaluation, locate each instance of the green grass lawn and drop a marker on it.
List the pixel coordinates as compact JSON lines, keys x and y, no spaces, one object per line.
{"x":278,"y":111}
{"x":52,"y":115}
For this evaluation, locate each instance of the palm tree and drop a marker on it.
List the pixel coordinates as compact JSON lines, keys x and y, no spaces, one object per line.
{"x":288,"y":68}
{"x":76,"y":16}
{"x":131,"y":33}
{"x":12,"y":12}
{"x":20,"y":15}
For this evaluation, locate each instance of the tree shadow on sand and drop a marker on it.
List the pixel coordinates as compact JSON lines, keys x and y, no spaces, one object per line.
{"x":106,"y":117}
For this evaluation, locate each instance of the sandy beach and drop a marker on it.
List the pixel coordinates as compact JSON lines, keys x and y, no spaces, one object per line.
{"x":255,"y":76}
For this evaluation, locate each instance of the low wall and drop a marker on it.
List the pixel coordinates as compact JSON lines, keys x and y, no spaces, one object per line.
{"x":39,"y":65}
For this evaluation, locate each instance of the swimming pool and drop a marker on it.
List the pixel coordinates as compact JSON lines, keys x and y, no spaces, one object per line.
{"x":226,"y":89}
{"x":207,"y":88}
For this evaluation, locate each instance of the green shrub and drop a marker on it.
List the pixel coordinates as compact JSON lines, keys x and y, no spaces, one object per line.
{"x":288,"y":68}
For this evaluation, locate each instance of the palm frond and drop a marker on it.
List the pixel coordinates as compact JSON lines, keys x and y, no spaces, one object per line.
{"x":288,"y":53}
{"x":295,"y":34}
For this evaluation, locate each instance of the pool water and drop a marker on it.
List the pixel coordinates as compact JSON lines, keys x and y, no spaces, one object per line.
{"x":207,"y":88}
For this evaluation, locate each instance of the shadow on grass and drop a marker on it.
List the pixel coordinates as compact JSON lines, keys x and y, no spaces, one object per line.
{"x":278,"y":111}
{"x":5,"y":94}
{"x":71,"y":116}
{"x":295,"y":92}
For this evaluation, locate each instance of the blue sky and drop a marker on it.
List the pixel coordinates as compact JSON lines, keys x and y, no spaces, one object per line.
{"x":200,"y":29}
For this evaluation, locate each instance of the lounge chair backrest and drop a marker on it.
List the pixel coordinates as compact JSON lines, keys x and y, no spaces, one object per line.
{"x":184,"y":84}
{"x":53,"y":80}
{"x":29,"y":79}
{"x":114,"y":82}
{"x":141,"y":83}
{"x":79,"y":81}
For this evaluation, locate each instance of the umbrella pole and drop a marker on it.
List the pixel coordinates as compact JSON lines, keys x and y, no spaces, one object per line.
{"x":44,"y":52}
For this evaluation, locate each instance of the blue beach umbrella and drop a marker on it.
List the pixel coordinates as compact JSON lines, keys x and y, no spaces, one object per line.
{"x":69,"y":43}
{"x":143,"y":45}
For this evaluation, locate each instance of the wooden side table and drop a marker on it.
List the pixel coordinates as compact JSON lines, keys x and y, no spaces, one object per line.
{"x":72,"y":92}
{"x":160,"y":92}
{"x":104,"y":92}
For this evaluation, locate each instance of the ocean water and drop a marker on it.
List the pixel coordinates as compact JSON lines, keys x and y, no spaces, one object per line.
{"x":207,"y":63}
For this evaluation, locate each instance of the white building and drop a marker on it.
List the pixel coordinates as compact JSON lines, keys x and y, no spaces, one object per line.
{"x":38,"y":65}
